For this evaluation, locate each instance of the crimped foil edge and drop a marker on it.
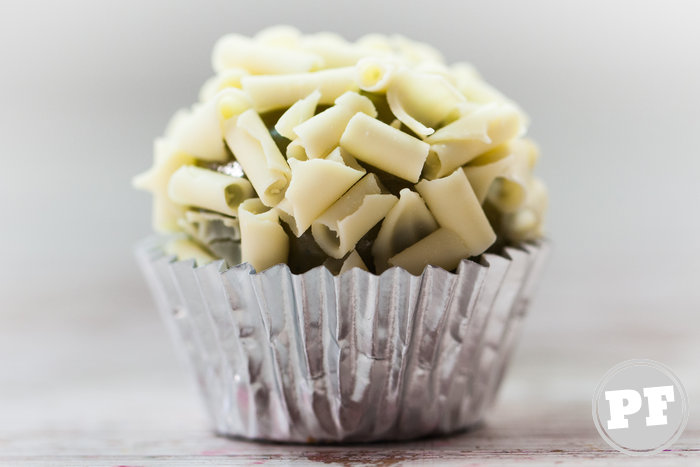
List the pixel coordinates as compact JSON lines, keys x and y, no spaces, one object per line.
{"x":356,"y":357}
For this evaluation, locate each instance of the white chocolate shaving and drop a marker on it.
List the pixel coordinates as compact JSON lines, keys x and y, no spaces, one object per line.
{"x":166,"y":160}
{"x":235,"y":51}
{"x":491,"y":124}
{"x":185,"y":249}
{"x":339,"y":266}
{"x":435,"y":68}
{"x":194,"y":223}
{"x":259,"y":156}
{"x":415,"y":52}
{"x":507,"y":195}
{"x":384,"y":147}
{"x":263,"y":241}
{"x":526,"y":223}
{"x":455,"y":206}
{"x":342,"y":156}
{"x":353,"y":260}
{"x":375,"y":44}
{"x":407,"y":222}
{"x":226,"y":79}
{"x":316,"y":184}
{"x":173,"y":126}
{"x":530,"y":149}
{"x":374,"y":73}
{"x":476,"y":90}
{"x":502,"y":175}
{"x":271,"y":92}
{"x":295,"y":150}
{"x":200,"y":131}
{"x":299,"y":112}
{"x":422,"y":100}
{"x":334,"y":50}
{"x":231,"y":103}
{"x":321,"y":133}
{"x":442,"y":248}
{"x":468,"y":81}
{"x":481,"y":176}
{"x":280,"y":36}
{"x":342,"y":225}
{"x":166,"y":214}
{"x":207,"y":189}
{"x":403,"y":117}
{"x":464,"y":139}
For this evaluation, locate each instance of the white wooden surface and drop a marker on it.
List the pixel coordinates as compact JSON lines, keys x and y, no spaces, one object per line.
{"x":98,"y":385}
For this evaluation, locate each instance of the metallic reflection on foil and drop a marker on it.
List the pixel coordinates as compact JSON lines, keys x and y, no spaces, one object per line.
{"x":314,"y":357}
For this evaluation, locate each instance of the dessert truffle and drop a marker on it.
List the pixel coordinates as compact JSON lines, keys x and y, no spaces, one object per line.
{"x":311,"y":150}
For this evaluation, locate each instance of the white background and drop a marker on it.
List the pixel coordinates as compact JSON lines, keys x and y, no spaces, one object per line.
{"x":612,"y":89}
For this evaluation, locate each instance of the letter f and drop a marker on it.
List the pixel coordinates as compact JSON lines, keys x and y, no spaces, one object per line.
{"x":657,"y":399}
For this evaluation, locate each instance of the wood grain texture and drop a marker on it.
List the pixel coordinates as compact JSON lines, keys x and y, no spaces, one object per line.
{"x":502,"y":441}
{"x":87,"y":386}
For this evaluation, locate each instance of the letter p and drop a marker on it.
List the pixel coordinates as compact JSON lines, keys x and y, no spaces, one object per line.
{"x":623,"y":402}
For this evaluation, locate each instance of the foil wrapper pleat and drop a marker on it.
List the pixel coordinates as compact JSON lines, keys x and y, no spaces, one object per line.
{"x":314,"y":357}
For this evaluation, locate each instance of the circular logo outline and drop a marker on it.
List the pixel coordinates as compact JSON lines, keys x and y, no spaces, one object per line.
{"x":657,"y":366}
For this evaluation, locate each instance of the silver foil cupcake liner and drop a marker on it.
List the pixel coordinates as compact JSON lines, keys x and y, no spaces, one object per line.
{"x":314,"y":357}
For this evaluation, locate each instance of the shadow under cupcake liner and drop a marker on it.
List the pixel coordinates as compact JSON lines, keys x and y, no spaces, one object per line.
{"x":358,"y":357}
